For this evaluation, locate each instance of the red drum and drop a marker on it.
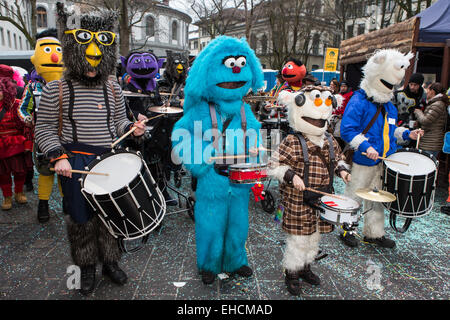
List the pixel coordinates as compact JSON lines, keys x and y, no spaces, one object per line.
{"x":247,"y":173}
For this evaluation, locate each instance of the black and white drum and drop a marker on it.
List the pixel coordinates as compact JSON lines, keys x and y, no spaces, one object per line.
{"x":413,"y":184}
{"x":344,"y":211}
{"x":128,"y":200}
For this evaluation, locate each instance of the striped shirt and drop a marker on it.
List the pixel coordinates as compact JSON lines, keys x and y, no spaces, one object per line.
{"x":89,"y":123}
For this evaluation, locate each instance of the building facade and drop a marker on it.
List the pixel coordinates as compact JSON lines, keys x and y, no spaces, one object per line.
{"x":11,"y":38}
{"x":164,"y":28}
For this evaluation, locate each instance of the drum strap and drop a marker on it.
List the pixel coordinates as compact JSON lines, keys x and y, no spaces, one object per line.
{"x":108,"y":109}
{"x":71,"y":105}
{"x":215,"y":127}
{"x":306,"y":158}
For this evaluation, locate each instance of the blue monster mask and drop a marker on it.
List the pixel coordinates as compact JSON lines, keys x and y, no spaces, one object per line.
{"x":226,"y":70}
{"x":143,"y":68}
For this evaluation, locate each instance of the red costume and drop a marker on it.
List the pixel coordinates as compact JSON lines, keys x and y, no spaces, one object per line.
{"x":15,"y":139}
{"x":293,"y":73}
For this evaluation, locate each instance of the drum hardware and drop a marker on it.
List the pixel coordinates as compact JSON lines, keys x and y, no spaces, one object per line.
{"x":342,"y":212}
{"x":128,"y":202}
{"x":85,"y":172}
{"x":259,"y":98}
{"x":373,"y":194}
{"x":247,"y":173}
{"x":132,"y":130}
{"x":386,"y":159}
{"x":166,"y":110}
{"x":324,"y":193}
{"x":134,"y":94}
{"x":413,"y":186}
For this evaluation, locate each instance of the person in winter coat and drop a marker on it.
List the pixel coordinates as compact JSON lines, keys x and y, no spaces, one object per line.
{"x":433,"y":119}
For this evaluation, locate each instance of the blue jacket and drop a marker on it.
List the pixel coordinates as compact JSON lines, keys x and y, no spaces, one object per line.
{"x":357,"y":115}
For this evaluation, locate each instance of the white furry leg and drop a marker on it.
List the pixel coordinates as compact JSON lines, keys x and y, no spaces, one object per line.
{"x":300,"y":251}
{"x":374,"y":222}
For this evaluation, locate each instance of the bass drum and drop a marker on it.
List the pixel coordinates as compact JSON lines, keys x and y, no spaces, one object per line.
{"x":128,"y":200}
{"x":413,"y":184}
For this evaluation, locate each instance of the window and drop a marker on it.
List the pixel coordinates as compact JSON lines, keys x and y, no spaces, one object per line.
{"x":9,"y":38}
{"x":264,"y":44}
{"x":253,"y":42}
{"x":361,"y":28}
{"x":195,"y":44}
{"x":150,"y":26}
{"x":315,"y":44}
{"x":2,"y":35}
{"x":174,"y":31}
{"x":20,"y":43}
{"x":41,"y":17}
{"x":15,"y":41}
{"x":349,"y":31}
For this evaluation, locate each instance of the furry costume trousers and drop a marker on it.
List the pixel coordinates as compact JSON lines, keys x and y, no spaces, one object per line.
{"x":6,"y":183}
{"x":221,"y":224}
{"x":368,"y":177}
{"x":45,"y":186}
{"x":300,"y":251}
{"x":91,"y":242}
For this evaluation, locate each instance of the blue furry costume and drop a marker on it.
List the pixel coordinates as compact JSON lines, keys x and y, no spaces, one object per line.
{"x":222,"y":74}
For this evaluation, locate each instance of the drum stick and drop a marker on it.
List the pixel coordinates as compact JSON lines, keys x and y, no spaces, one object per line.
{"x":386,"y":159}
{"x":418,"y":139}
{"x":85,"y":172}
{"x":133,"y":129}
{"x":325,"y":193}
{"x":228,"y":157}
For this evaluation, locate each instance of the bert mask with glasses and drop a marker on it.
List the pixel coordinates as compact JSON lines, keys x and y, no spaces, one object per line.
{"x":93,"y":52}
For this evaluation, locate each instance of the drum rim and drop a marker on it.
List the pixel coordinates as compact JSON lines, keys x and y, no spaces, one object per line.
{"x":337,"y":223}
{"x":413,"y":150}
{"x":103,"y":156}
{"x":352,"y":212}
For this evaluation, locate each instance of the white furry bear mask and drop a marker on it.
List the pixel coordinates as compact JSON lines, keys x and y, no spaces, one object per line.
{"x":309,"y":111}
{"x":384,"y":70}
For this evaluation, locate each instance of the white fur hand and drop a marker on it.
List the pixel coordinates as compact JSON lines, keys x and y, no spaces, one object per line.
{"x":347,"y":177}
{"x":298,"y":183}
{"x":372,"y":154}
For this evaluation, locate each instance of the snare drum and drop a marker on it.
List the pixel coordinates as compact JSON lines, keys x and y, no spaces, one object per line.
{"x":413,"y":185}
{"x":247,"y":173}
{"x":339,"y":211}
{"x":127,"y":201}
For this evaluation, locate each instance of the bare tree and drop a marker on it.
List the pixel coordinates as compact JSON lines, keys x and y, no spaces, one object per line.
{"x":292,"y":26}
{"x":18,"y":14}
{"x":131,"y":14}
{"x":215,"y":17}
{"x":412,"y":7}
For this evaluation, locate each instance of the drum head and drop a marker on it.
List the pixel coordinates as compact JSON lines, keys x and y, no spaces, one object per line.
{"x":419,"y":164}
{"x":345,"y":204}
{"x":122,"y":169}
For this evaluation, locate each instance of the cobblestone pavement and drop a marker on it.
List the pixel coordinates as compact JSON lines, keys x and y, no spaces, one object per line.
{"x":35,"y":258}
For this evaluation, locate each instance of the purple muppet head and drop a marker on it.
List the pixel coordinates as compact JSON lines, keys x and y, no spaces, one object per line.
{"x":142,"y":67}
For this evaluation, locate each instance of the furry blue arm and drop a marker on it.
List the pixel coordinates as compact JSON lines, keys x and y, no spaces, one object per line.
{"x":351,"y":129}
{"x":189,"y":147}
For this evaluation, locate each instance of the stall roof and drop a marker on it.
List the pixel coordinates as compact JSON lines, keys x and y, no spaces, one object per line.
{"x":435,"y":22}
{"x":398,"y":36}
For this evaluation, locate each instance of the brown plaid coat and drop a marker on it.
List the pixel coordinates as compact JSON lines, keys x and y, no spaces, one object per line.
{"x":299,"y":218}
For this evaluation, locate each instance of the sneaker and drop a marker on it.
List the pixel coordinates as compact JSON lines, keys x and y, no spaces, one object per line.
{"x":382,"y":242}
{"x":21,"y":198}
{"x":292,"y":283}
{"x":113,"y":271}
{"x":446,"y":209}
{"x":7,"y":203}
{"x":208,"y":277}
{"x":87,"y":280}
{"x":43,"y":214}
{"x":349,"y":239}
{"x":244,"y":271}
{"x":309,"y":277}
